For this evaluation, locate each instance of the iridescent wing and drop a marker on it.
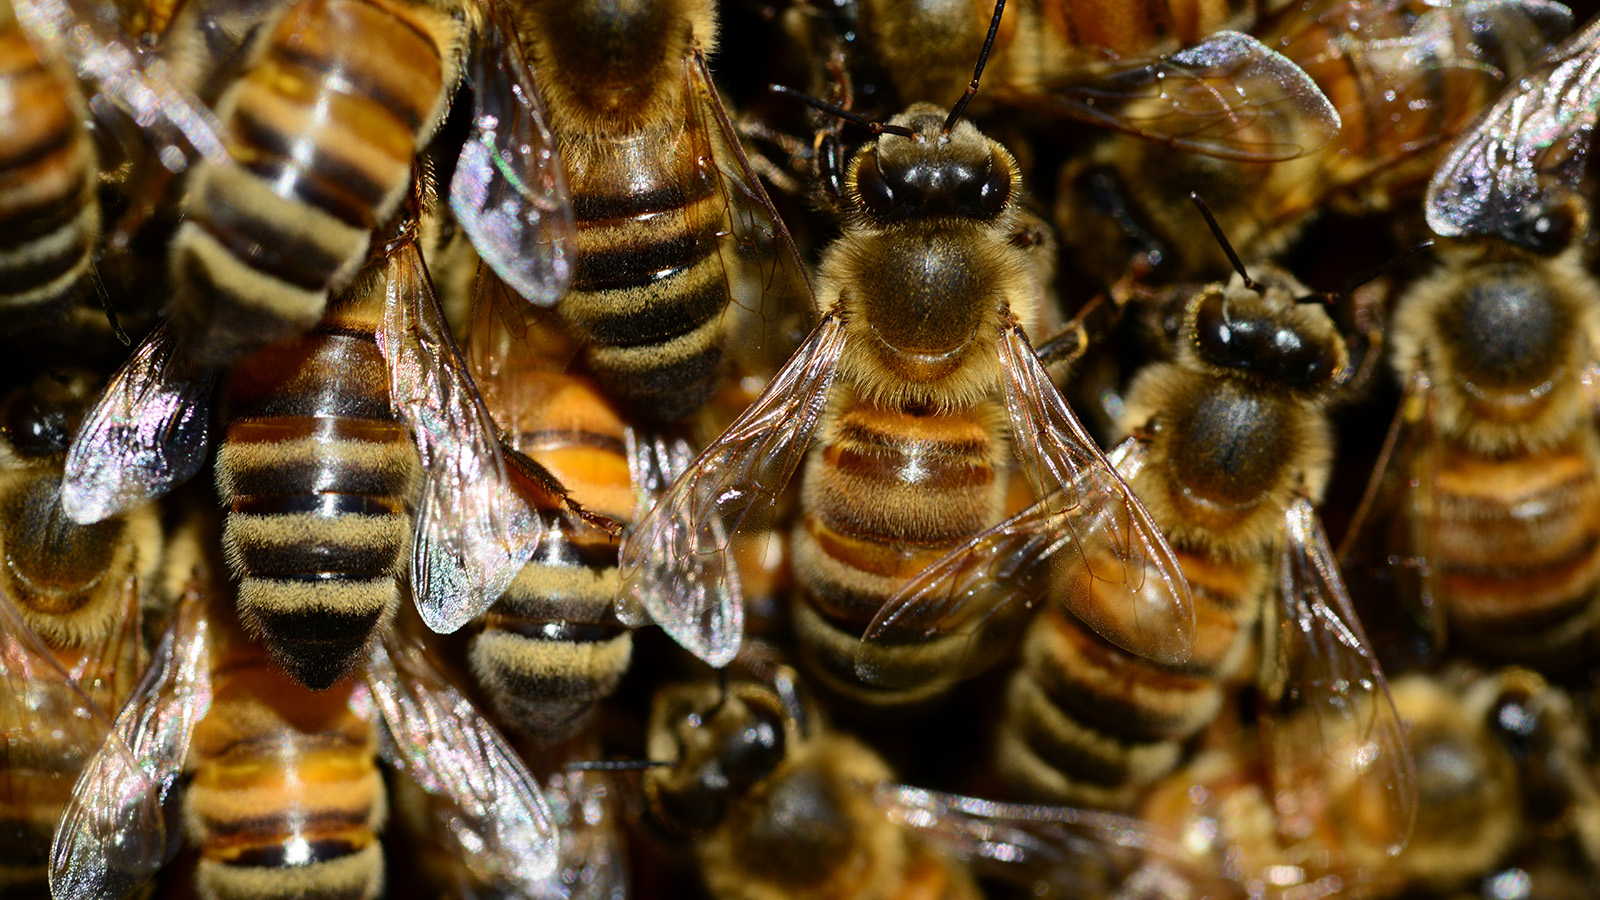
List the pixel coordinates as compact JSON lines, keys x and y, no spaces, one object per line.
{"x":49,"y":727}
{"x":509,"y":191}
{"x":767,"y":281}
{"x":979,"y":593}
{"x":594,"y":864}
{"x":495,"y":811}
{"x":113,"y":835}
{"x":146,"y":434}
{"x":1228,"y":96}
{"x":1407,"y":77}
{"x":139,"y":82}
{"x":675,"y":562}
{"x":1075,"y":852}
{"x":1384,"y":553}
{"x":1528,"y":151}
{"x":1336,"y":709}
{"x":473,"y":532}
{"x":1120,"y":544}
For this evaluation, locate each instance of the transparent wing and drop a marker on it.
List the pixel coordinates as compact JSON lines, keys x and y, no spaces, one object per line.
{"x":473,"y":532}
{"x":979,"y":593}
{"x":593,"y":852}
{"x":1228,"y":96}
{"x":1123,"y":552}
{"x":509,"y":191}
{"x":49,"y":727}
{"x":114,"y":834}
{"x":768,"y":283}
{"x":495,"y":811}
{"x":137,"y":81}
{"x":1076,"y":852}
{"x":146,"y":434}
{"x":1527,"y":151}
{"x":675,"y":563}
{"x":656,"y":460}
{"x":1384,"y":553}
{"x":1335,"y":702}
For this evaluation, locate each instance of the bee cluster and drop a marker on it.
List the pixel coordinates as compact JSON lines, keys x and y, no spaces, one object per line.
{"x":502,"y":449}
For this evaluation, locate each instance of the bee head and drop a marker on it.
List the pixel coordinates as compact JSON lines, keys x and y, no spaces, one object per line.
{"x":1259,"y":330}
{"x":722,"y":745}
{"x":933,"y":172}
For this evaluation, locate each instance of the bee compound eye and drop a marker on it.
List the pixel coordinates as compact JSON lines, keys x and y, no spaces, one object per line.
{"x":875,"y":193}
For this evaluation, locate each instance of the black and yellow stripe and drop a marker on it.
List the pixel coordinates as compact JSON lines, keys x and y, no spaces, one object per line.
{"x":551,"y":647}
{"x":317,"y":473}
{"x":885,"y":495}
{"x":285,"y":798}
{"x":49,"y":214}
{"x":323,"y":129}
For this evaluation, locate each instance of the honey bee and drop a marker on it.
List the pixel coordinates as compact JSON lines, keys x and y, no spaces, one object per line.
{"x":46,"y":250}
{"x":552,"y":646}
{"x":323,"y":128}
{"x":70,"y":602}
{"x":1404,"y":77}
{"x":1500,"y":758}
{"x":1169,"y":73}
{"x":775,"y":806}
{"x":920,"y":378}
{"x":1229,"y":446}
{"x":1494,"y":444}
{"x":278,"y":785}
{"x":682,"y":264}
{"x":321,"y":480}
{"x":318,"y":155}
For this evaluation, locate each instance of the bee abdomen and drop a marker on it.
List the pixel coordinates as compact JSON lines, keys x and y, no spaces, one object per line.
{"x":286,"y":799}
{"x":324,"y":128}
{"x":49,"y":215}
{"x":551,"y":646}
{"x":1534,"y":597}
{"x":1140,"y":27}
{"x":890,"y":494}
{"x":318,"y":529}
{"x":1087,"y":722}
{"x":649,"y":288}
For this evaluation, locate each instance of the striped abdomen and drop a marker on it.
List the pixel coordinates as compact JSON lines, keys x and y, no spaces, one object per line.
{"x":886,"y":493}
{"x":285,"y":799}
{"x":323,"y":128}
{"x":1514,"y":549}
{"x":649,"y":289}
{"x":317,"y":474}
{"x":1090,"y":724}
{"x":49,"y":214}
{"x":551,"y":646}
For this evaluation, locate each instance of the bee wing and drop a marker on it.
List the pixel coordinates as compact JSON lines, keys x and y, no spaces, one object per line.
{"x":473,"y":532}
{"x":1384,"y":553}
{"x":114,"y":834}
{"x":770,"y":286}
{"x":675,"y":562}
{"x":146,"y":434}
{"x":509,"y":191}
{"x":1531,"y":144}
{"x":1078,"y":852}
{"x":1123,"y":553}
{"x":1228,"y":96}
{"x":496,"y":811}
{"x":1338,"y":709}
{"x":978,"y":593}
{"x":137,"y":80}
{"x":593,"y":852}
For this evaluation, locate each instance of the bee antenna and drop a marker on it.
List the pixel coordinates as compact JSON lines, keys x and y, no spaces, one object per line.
{"x":1222,"y":239}
{"x":845,"y":114}
{"x":615,"y":765}
{"x":1400,"y":259}
{"x":983,"y":60}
